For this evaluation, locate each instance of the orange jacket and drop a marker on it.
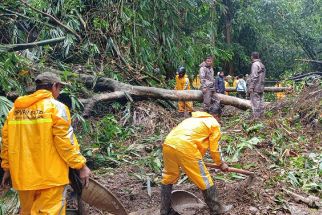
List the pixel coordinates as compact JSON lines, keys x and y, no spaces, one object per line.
{"x":195,"y":135}
{"x":38,"y":143}
{"x":182,"y":83}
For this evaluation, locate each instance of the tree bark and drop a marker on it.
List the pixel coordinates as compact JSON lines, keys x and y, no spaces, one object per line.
{"x":139,"y":92}
{"x":122,"y":90}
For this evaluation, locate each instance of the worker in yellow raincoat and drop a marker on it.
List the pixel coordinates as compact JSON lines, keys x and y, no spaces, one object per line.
{"x":235,"y":82}
{"x":279,"y":95}
{"x":39,"y":146}
{"x":182,"y":83}
{"x":226,"y":86}
{"x":184,"y":148}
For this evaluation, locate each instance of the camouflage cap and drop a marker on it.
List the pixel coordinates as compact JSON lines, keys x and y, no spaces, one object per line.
{"x":48,"y":78}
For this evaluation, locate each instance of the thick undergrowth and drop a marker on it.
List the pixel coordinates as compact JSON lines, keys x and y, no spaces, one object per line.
{"x":283,"y":149}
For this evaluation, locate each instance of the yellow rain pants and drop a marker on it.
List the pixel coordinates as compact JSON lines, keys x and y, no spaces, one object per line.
{"x":185,"y":106}
{"x":51,"y":201}
{"x":193,"y":167}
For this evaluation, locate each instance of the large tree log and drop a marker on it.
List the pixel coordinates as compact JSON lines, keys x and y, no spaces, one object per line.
{"x":122,"y":90}
{"x":139,"y":92}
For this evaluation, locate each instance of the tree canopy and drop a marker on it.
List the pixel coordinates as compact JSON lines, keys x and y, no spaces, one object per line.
{"x":153,"y":38}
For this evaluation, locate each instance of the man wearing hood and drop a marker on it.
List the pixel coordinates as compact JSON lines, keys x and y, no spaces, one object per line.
{"x":39,"y":146}
{"x":255,"y":86}
{"x":206,"y":74}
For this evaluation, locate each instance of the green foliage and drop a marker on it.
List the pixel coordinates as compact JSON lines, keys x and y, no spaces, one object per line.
{"x":5,"y":106}
{"x":13,"y":73}
{"x":306,"y":172}
{"x":156,"y":34}
{"x":9,"y":203}
{"x":235,"y":146}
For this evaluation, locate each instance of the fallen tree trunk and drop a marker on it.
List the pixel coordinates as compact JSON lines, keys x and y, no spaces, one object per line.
{"x":23,"y":46}
{"x":139,"y":92}
{"x":122,"y":90}
{"x":266,"y":89}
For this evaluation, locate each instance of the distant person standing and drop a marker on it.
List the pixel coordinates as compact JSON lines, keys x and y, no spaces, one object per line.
{"x":256,"y":85}
{"x":206,"y":74}
{"x":220,"y":83}
{"x":183,"y":83}
{"x":235,"y":81}
{"x":241,"y":87}
{"x":226,"y":85}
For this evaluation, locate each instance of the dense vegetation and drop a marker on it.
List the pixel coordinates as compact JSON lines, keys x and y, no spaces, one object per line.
{"x":148,"y":38}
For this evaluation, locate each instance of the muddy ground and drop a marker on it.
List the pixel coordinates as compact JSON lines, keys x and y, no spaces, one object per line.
{"x":254,"y":199}
{"x":265,"y":196}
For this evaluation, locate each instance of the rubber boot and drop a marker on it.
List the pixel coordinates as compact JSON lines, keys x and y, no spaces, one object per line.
{"x":165,"y":199}
{"x":211,"y":198}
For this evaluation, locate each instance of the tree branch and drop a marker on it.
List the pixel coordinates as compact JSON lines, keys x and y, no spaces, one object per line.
{"x":310,"y":61}
{"x":23,"y":46}
{"x":54,"y":20}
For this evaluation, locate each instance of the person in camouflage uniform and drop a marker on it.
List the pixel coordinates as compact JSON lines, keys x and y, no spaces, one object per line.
{"x":206,"y":74}
{"x":256,"y":85}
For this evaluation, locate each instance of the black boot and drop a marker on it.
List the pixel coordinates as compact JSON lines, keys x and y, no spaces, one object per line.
{"x":211,"y":198}
{"x":165,"y":199}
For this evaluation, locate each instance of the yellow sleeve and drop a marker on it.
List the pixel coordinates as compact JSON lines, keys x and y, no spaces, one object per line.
{"x":177,"y":83}
{"x":4,"y":147}
{"x":64,"y":139}
{"x":214,"y":144}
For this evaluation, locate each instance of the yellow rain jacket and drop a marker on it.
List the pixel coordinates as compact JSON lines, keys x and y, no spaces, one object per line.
{"x":182,"y":83}
{"x":226,"y":86}
{"x":185,"y":146}
{"x":38,"y":143}
{"x":195,"y":135}
{"x":235,"y":83}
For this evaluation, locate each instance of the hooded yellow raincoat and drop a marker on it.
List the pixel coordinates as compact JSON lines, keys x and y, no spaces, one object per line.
{"x":185,"y":146}
{"x":38,"y":143}
{"x":226,"y":86}
{"x":183,"y":84}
